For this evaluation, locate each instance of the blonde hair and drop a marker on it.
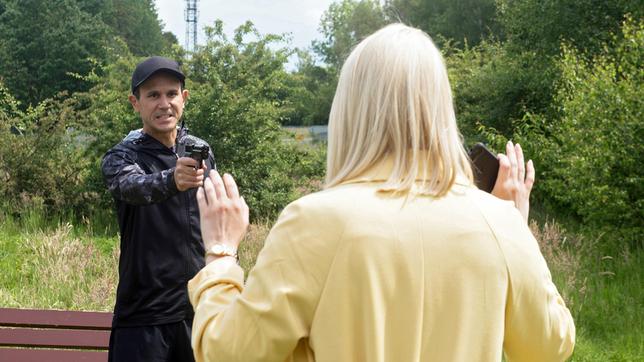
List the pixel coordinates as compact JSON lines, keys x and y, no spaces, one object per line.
{"x":394,"y":100}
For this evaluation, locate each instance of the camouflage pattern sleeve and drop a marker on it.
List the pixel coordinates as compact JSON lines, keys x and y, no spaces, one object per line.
{"x":127,"y":181}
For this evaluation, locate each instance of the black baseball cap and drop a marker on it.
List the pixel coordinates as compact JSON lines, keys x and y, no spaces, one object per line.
{"x":152,"y":65}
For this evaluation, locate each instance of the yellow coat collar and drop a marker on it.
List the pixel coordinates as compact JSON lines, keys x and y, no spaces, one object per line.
{"x":381,"y":171}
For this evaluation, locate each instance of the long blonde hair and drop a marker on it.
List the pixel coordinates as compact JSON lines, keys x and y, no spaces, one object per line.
{"x":394,"y":100}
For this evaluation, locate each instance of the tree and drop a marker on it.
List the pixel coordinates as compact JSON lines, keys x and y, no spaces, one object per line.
{"x":590,"y":157}
{"x":137,"y":22}
{"x":541,"y":25}
{"x":238,"y":92}
{"x":42,"y":163}
{"x":312,"y":89}
{"x":44,"y":43}
{"x":343,"y":25}
{"x":463,"y":21}
{"x":494,"y":88}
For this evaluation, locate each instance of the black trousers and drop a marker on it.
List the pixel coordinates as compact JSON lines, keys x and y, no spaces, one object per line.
{"x":157,"y":343}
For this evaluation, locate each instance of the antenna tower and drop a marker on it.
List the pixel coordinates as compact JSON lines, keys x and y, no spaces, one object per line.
{"x":191,"y":24}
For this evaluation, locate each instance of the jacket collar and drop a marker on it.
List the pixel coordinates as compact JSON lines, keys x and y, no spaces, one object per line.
{"x":138,"y":137}
{"x":381,"y":171}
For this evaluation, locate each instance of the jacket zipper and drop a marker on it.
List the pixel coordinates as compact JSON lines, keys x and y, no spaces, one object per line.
{"x":188,"y":238}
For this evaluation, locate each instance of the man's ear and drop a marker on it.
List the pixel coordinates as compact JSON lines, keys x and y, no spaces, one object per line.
{"x":185,"y":94}
{"x":134,"y":102}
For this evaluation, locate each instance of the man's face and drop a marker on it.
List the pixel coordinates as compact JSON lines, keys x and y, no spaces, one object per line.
{"x":160,"y":104}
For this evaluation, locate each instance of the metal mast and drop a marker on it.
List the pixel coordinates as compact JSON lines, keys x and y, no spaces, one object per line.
{"x":191,"y":24}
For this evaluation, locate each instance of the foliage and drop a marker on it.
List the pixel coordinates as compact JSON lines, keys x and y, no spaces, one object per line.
{"x":41,"y":157}
{"x":467,"y":22}
{"x":343,"y":25}
{"x":590,"y":157}
{"x":541,"y":25}
{"x":137,"y":22}
{"x":43,"y":42}
{"x":46,"y":45}
{"x":313,"y":87}
{"x":239,"y":89}
{"x":494,"y":88}
{"x":106,"y":116}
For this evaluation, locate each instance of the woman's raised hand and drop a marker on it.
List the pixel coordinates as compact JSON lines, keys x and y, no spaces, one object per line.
{"x":515,"y":179}
{"x":222,"y":211}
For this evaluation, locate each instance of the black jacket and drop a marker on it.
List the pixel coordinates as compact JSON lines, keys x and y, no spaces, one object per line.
{"x":161,"y":246}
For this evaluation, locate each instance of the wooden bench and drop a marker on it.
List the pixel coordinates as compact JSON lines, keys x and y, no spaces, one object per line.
{"x":29,"y":335}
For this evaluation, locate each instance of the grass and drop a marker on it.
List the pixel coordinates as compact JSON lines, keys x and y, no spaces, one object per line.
{"x":54,"y":269}
{"x":57,"y":265}
{"x":603,"y":292}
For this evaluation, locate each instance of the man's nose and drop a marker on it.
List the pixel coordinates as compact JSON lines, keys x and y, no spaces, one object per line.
{"x":164,"y":102}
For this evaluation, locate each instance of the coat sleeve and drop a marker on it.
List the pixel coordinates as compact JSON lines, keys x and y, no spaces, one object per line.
{"x":127,"y":181}
{"x":266,"y":319}
{"x":538,"y":325}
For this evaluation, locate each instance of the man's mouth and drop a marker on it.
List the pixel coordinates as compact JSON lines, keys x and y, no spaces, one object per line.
{"x":163,"y":116}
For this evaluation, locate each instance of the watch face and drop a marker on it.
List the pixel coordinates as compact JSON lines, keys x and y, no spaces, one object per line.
{"x":221,"y":250}
{"x":218,"y":249}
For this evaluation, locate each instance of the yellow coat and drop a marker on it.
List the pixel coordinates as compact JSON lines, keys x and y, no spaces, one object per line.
{"x":351,"y":274}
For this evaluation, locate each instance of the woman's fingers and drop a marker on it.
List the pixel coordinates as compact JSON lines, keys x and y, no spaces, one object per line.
{"x":209,"y":191}
{"x":218,"y":184}
{"x":504,"y":168}
{"x":245,"y":209}
{"x":501,"y":187}
{"x":201,"y":199}
{"x":217,"y":188}
{"x":509,"y":149}
{"x":529,"y":178}
{"x":231,"y":186}
{"x":520,"y":163}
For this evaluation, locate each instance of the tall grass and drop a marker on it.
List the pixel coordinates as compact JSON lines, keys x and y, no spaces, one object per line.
{"x":54,"y":269}
{"x":602,"y":291}
{"x":67,"y":266}
{"x":72,"y":267}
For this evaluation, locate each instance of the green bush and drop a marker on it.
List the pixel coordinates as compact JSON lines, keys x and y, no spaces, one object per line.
{"x":42,"y":163}
{"x":494,"y":88}
{"x":238,"y":92}
{"x":541,"y":25}
{"x":590,"y":158}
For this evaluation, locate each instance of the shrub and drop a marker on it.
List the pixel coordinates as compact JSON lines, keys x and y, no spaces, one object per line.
{"x":238,"y":90}
{"x":42,"y":163}
{"x":494,"y":88}
{"x":590,"y":158}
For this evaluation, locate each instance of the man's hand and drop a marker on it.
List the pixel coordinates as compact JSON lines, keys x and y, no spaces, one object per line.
{"x":186,"y":176}
{"x":222,"y":212}
{"x":515,"y":179}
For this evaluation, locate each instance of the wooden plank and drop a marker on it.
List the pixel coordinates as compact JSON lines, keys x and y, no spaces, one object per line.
{"x":49,"y":355}
{"x":58,"y":338}
{"x":55,"y":319}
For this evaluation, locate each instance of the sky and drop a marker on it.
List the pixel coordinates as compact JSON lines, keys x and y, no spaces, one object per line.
{"x":301,"y":18}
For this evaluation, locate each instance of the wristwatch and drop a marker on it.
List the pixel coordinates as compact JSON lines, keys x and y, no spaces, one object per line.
{"x":219,"y":250}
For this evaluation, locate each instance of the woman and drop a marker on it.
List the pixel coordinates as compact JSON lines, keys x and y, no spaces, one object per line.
{"x":400,"y":258}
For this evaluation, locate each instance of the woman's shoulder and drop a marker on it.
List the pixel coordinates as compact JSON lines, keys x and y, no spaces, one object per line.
{"x":329,"y":201}
{"x":332,"y":207}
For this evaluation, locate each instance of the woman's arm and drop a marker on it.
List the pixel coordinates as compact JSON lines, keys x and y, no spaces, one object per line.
{"x":266,"y":318}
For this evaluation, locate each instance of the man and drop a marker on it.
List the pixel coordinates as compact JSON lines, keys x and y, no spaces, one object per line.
{"x":161,"y":245}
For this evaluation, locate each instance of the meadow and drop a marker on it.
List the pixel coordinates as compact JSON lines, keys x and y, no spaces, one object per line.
{"x":59,"y":265}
